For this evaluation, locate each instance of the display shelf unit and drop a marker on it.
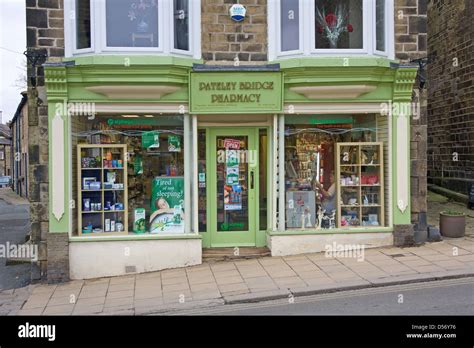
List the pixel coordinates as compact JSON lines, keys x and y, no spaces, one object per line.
{"x":107,"y":162}
{"x":359,"y":182}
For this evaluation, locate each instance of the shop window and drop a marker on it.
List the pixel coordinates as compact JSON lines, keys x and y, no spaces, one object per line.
{"x":380,"y":25}
{"x":83,"y":24}
{"x":290,"y":25}
{"x":263,"y":175}
{"x":330,"y":27}
{"x":130,"y":175}
{"x":333,"y":172}
{"x":181,"y":24}
{"x":159,"y":26}
{"x":339,"y":24}
{"x":202,"y":200}
{"x":132,"y":23}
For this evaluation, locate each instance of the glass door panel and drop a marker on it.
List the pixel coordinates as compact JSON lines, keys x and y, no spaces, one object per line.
{"x":233,"y":169}
{"x":232,"y":183}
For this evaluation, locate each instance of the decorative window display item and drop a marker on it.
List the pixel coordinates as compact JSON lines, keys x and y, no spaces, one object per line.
{"x":88,"y":228}
{"x":174,"y":143}
{"x":139,"y":220}
{"x":86,"y":183}
{"x":339,"y":24}
{"x":94,"y":185}
{"x":373,"y":219}
{"x":300,"y":206}
{"x":167,"y":200}
{"x":111,"y":177}
{"x":86,"y":204}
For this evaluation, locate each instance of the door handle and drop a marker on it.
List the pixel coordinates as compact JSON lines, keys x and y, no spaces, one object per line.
{"x":252,"y":179}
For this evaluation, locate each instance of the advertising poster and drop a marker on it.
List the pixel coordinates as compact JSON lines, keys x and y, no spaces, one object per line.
{"x":232,"y":175}
{"x":232,"y":197}
{"x":167,"y":205}
{"x":174,"y":143}
{"x":232,"y":144}
{"x":151,"y":140}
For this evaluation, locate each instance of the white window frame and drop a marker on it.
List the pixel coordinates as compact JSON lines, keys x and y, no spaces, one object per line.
{"x":103,"y":34}
{"x":344,"y":51}
{"x":70,"y":29}
{"x":194,"y":26}
{"x":389,"y":29}
{"x":308,"y":35}
{"x":301,"y":34}
{"x":165,"y":40}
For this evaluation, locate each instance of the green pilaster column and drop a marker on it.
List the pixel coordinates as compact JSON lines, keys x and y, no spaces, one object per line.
{"x":401,"y":112}
{"x":59,"y":150}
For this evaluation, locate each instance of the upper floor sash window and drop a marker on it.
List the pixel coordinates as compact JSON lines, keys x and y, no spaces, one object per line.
{"x":133,"y":26}
{"x":330,"y":27}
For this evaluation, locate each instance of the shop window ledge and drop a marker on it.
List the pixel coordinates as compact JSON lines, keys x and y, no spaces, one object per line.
{"x":134,"y":237}
{"x":297,"y":232}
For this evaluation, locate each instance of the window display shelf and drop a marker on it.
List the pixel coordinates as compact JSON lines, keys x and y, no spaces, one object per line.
{"x":365,"y":186}
{"x":88,"y":220}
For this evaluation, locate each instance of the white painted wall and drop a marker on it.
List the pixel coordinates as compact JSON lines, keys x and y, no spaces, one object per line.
{"x":104,"y":259}
{"x":302,"y":244}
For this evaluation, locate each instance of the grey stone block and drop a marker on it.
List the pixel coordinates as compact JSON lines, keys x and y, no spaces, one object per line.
{"x":433,"y":234}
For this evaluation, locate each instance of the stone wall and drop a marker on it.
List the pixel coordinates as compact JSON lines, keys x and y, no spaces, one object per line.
{"x":222,"y":39}
{"x":410,"y":44}
{"x":451,"y":97}
{"x":45,"y":34}
{"x":5,"y":163}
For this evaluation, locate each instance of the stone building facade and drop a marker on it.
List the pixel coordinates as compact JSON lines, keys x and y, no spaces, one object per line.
{"x":5,"y":151}
{"x":222,"y":39}
{"x":19,"y":132}
{"x":45,"y":35}
{"x":410,"y":45}
{"x":451,"y":97}
{"x":222,"y":42}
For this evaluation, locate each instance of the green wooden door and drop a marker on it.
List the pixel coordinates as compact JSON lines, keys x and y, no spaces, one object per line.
{"x":233,"y":186}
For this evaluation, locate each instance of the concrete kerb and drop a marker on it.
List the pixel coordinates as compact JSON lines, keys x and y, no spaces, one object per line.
{"x":338,"y":287}
{"x":170,"y":308}
{"x":257,"y":296}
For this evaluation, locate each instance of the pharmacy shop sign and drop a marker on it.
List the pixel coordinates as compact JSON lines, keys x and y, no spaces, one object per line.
{"x":236,"y":92}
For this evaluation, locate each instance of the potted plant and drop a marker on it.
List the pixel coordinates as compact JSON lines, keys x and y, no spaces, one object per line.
{"x":452,"y":224}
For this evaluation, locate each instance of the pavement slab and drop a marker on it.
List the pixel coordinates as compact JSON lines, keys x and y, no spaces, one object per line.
{"x":237,"y":281}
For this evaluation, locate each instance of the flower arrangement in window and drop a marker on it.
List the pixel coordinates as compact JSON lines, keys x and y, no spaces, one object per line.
{"x":332,"y":25}
{"x":139,"y":11}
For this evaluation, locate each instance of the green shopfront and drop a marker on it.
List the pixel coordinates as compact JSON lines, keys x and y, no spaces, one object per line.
{"x":154,"y":161}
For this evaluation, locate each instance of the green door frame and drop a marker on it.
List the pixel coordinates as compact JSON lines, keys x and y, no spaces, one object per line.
{"x":231,"y":238}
